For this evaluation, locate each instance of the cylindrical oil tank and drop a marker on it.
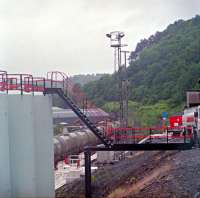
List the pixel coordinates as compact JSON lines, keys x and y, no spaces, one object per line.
{"x":92,"y":139}
{"x":72,"y":143}
{"x":82,"y":139}
{"x":57,"y":147}
{"x":65,"y":143}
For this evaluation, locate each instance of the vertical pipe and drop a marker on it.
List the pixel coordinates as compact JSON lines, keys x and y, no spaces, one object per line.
{"x":28,"y":83}
{"x":32,"y":86}
{"x":190,"y":132}
{"x":56,"y":78}
{"x":51,"y":79}
{"x":21,"y":85}
{"x":88,"y":174}
{"x":118,"y":57}
{"x":167,"y":136}
{"x":150,"y":132}
{"x":44,"y":84}
{"x":184,"y":133}
{"x":115,"y":61}
{"x":126,"y":89}
{"x":6,"y":83}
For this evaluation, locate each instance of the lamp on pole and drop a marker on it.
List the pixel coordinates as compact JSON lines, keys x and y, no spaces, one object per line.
{"x":115,"y":42}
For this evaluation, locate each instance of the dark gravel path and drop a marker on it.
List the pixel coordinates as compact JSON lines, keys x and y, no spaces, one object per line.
{"x":182,"y":181}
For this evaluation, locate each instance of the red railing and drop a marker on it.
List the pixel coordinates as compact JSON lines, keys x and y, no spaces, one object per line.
{"x":26,"y":83}
{"x":71,"y":89}
{"x":135,"y":134}
{"x":2,"y":80}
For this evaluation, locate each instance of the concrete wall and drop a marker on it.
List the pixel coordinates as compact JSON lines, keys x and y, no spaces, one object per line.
{"x":30,"y":131}
{"x":5,"y":185}
{"x":44,"y":147}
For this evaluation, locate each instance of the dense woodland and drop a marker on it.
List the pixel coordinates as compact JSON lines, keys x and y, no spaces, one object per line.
{"x":161,"y":69}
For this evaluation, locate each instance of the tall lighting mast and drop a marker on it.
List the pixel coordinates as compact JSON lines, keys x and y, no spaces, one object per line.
{"x":115,"y":42}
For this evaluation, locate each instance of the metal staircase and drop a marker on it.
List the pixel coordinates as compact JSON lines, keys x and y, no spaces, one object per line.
{"x":107,"y":142}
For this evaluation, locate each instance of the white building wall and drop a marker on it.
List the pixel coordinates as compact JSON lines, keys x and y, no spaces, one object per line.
{"x":30,"y":146}
{"x":5,"y":186}
{"x":22,"y":146}
{"x":44,"y":146}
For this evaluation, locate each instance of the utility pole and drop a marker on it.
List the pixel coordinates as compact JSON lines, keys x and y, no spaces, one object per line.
{"x":124,"y":85}
{"x":115,"y":42}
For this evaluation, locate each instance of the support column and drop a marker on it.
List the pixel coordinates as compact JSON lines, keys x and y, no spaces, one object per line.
{"x":88,"y":190}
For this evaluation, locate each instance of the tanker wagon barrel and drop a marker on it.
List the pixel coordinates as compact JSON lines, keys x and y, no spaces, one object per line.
{"x":72,"y":143}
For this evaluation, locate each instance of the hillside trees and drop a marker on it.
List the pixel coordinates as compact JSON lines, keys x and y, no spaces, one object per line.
{"x":162,"y":68}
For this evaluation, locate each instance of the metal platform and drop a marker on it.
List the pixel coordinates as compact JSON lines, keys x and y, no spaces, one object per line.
{"x":143,"y":147}
{"x":126,"y":147}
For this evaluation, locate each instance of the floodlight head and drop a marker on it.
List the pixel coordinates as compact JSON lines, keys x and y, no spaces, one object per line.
{"x":115,"y":38}
{"x":121,"y":34}
{"x":108,"y":35}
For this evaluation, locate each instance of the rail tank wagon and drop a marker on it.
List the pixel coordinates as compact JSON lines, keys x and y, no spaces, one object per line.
{"x":72,"y":143}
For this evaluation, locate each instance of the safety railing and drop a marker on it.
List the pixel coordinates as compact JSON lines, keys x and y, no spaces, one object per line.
{"x":72,"y":90}
{"x":181,"y":134}
{"x":2,"y":80}
{"x":17,"y":82}
{"x":26,"y":83}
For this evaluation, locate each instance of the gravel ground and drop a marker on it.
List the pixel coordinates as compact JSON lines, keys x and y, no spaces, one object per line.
{"x":109,"y":177}
{"x":181,"y":181}
{"x":147,"y":174}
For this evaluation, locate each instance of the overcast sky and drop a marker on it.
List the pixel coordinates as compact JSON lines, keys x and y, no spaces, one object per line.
{"x":41,"y":35}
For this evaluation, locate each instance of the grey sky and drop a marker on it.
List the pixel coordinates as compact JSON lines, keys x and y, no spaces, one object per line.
{"x":41,"y":35}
